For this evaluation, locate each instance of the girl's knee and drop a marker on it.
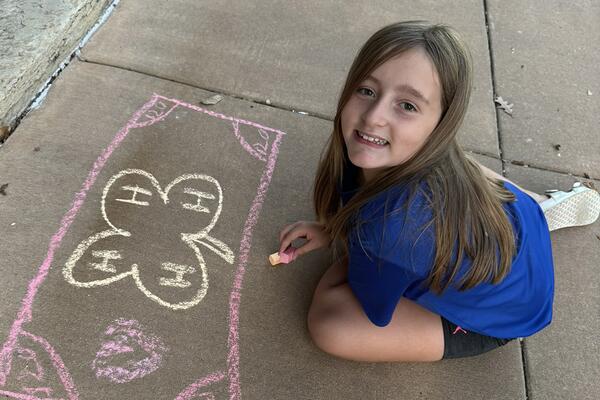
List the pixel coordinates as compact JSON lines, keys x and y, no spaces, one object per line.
{"x":326,"y":329}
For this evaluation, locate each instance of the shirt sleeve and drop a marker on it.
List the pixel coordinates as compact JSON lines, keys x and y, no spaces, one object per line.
{"x":377,"y":274}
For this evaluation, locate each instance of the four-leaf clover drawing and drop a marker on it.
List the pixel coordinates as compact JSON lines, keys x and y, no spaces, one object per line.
{"x":134,"y":206}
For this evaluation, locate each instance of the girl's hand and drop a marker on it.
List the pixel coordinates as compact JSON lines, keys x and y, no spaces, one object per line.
{"x":313,"y":232}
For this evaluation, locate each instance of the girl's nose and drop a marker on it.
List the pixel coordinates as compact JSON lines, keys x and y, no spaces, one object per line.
{"x":375,"y":114}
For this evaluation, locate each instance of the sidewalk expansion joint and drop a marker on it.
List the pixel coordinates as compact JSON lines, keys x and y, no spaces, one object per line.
{"x":493,"y":76}
{"x":264,"y":102}
{"x":506,"y":161}
{"x":557,"y":171}
{"x":523,"y":348}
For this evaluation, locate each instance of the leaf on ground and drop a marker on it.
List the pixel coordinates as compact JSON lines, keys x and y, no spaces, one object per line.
{"x":590,"y":184}
{"x":3,"y":188}
{"x":503,"y":104}
{"x":212,"y":100}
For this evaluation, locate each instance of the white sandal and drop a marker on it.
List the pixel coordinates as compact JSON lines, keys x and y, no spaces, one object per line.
{"x":579,"y":206}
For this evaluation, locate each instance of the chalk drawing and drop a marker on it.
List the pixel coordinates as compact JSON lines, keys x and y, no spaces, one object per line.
{"x":257,"y":150}
{"x":179,"y":270}
{"x":204,"y":396}
{"x":262,"y":148}
{"x":33,"y":367}
{"x":32,"y":379}
{"x":192,"y":391}
{"x":128,"y":336}
{"x":135,"y":190}
{"x":45,"y":391}
{"x":58,"y":383}
{"x":191,"y":240}
{"x":106,"y":256}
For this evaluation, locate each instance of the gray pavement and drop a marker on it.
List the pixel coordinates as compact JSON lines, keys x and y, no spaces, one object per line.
{"x":127,"y":123}
{"x":547,"y":64}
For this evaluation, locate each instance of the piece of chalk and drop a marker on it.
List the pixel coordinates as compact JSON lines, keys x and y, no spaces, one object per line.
{"x":283,"y":258}
{"x":287,"y":256}
{"x":274,"y":259}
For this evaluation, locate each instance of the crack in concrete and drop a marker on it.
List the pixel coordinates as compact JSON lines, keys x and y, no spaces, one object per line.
{"x":501,"y":151}
{"x":323,"y":117}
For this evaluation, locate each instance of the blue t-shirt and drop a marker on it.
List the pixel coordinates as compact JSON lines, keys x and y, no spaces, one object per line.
{"x":391,"y":261}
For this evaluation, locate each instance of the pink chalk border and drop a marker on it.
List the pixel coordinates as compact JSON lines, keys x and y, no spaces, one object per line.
{"x":25,"y":314}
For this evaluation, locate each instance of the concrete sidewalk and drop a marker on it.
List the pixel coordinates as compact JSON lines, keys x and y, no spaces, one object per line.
{"x":138,"y":220}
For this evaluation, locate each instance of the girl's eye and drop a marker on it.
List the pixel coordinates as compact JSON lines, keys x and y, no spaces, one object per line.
{"x":408,"y":107}
{"x":365,"y":91}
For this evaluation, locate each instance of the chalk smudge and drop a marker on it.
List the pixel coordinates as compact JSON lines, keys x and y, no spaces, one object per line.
{"x":128,"y":337}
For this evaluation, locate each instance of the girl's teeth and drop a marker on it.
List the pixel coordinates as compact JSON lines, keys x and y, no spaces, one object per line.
{"x":371,"y":139}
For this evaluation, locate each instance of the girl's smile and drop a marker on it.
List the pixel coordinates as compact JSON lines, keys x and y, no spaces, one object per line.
{"x":392,"y":112}
{"x":370,"y":140}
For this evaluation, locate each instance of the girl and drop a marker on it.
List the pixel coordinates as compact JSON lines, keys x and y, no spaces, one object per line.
{"x":441,"y":257}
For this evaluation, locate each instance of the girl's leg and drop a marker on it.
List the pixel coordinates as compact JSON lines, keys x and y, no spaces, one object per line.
{"x":488,"y":172}
{"x":577,"y":207}
{"x":338,"y":325}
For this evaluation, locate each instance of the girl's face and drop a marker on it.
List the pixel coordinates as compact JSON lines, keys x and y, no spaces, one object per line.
{"x":392,"y":112}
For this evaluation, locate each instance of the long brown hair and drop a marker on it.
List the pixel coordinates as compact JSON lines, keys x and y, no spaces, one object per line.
{"x":466,"y":205}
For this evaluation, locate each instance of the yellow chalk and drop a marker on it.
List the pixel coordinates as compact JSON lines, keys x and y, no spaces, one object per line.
{"x":275,"y":259}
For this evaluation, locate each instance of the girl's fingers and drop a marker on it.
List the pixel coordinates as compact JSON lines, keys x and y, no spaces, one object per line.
{"x":315,"y":239}
{"x":306,"y":248}
{"x":286,"y":229}
{"x":289,"y":237}
{"x":301,"y":229}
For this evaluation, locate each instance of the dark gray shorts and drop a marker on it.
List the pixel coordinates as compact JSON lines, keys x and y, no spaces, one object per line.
{"x":460,"y":343}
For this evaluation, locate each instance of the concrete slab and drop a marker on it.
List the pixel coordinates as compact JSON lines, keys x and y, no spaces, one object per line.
{"x":36,"y":37}
{"x":546,"y":63}
{"x":117,"y":340}
{"x":563,"y":361}
{"x":261,"y":50}
{"x":492,"y":163}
